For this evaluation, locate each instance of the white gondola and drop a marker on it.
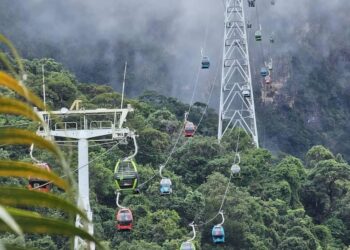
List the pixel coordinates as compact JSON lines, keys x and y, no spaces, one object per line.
{"x":246,"y":91}
{"x":165,"y":186}
{"x":269,"y":65}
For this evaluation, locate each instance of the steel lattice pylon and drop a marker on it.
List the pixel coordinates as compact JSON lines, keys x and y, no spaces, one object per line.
{"x":236,"y":108}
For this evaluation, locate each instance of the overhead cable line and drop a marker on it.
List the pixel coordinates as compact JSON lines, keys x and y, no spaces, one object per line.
{"x":83,"y":166}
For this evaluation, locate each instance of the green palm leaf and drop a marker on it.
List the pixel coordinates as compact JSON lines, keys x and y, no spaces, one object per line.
{"x":18,"y":196}
{"x":15,"y":136}
{"x":25,"y":169}
{"x":11,"y":83}
{"x":6,"y":218}
{"x":12,"y":106}
{"x":31,"y":222}
{"x":14,"y":52}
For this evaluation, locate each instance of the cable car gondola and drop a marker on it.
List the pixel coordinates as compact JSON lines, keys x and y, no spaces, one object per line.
{"x":165,"y":186}
{"x":187,"y":245}
{"x":270,"y":66}
{"x":264,"y":72}
{"x":218,"y":234}
{"x":251,"y":3}
{"x":205,"y":62}
{"x":126,"y":175}
{"x":124,"y":219}
{"x":246,"y":91}
{"x":258,"y":35}
{"x":38,"y":184}
{"x":190,"y":129}
{"x":249,"y":25}
{"x":267,"y":79}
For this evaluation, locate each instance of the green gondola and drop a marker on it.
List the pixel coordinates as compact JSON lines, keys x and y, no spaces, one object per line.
{"x":126,"y":176}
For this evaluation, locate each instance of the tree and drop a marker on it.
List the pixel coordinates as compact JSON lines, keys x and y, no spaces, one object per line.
{"x":164,"y":121}
{"x":158,"y":226}
{"x":139,"y":244}
{"x":152,"y":144}
{"x":61,"y":90}
{"x":316,"y":154}
{"x":305,"y":235}
{"x":295,"y":243}
{"x":325,"y":185}
{"x":191,"y":160}
{"x":291,"y":170}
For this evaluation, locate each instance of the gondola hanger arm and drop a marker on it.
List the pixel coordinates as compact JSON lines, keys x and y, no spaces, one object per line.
{"x":161,"y":170}
{"x":31,"y":154}
{"x":133,"y":136}
{"x":193,"y":230}
{"x":222,"y":217}
{"x":117,"y":200}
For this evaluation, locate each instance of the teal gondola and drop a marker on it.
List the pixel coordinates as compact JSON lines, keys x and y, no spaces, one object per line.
{"x":258,"y":35}
{"x":218,"y":234}
{"x":205,"y":62}
{"x":264,"y":72}
{"x":165,"y":186}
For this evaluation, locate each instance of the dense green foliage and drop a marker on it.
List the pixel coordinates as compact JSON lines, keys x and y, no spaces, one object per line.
{"x":275,"y":202}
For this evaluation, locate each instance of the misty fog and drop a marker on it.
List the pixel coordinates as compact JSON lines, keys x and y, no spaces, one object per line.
{"x":161,"y":40}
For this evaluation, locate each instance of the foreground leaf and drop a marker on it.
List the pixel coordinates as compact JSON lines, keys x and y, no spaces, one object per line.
{"x":31,"y":222}
{"x":14,"y":107}
{"x":6,"y":218}
{"x":14,"y":52}
{"x":11,"y":83}
{"x":15,"y":136}
{"x":25,"y":169}
{"x":18,"y":196}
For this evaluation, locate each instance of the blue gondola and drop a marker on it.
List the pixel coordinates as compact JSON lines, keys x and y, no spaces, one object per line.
{"x":165,"y":186}
{"x":264,"y":72}
{"x":187,"y":245}
{"x":205,"y":62}
{"x":218,"y":234}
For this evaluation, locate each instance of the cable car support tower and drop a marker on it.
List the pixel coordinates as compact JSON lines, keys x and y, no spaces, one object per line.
{"x":236,"y":104}
{"x":82,"y":126}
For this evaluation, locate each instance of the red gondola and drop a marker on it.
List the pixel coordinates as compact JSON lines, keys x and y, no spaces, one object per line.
{"x":190,"y":129}
{"x":267,"y":79}
{"x":124,"y":219}
{"x":38,"y":184}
